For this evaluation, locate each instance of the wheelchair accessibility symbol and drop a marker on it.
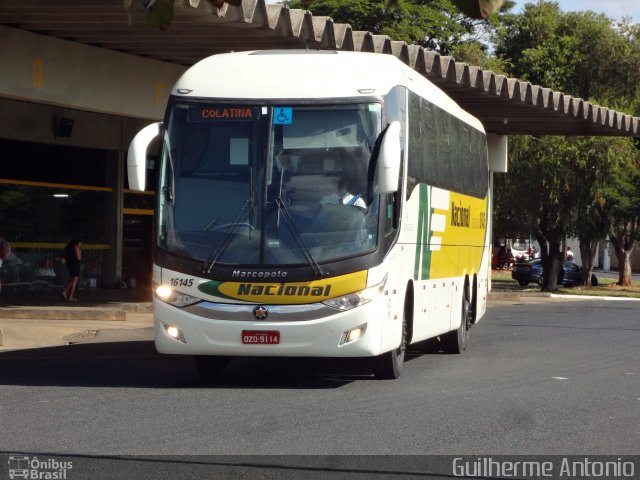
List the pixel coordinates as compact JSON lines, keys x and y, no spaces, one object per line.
{"x":283,"y":116}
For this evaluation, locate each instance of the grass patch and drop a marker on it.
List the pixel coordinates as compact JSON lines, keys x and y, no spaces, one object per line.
{"x":606,"y":287}
{"x":502,"y":276}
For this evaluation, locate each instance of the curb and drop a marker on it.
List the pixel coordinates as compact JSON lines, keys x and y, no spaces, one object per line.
{"x":591,"y":297}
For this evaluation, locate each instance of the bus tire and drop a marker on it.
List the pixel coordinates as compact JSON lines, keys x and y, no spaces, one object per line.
{"x":209,"y":366}
{"x":389,"y":366}
{"x":456,"y":340}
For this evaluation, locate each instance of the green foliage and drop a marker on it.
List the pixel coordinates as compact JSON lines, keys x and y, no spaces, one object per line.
{"x":559,"y":187}
{"x":585,"y":187}
{"x":580,"y":53}
{"x":474,"y":53}
{"x":159,"y":13}
{"x":534,"y":195}
{"x":434,"y":24}
{"x":622,"y":192}
{"x":478,"y":8}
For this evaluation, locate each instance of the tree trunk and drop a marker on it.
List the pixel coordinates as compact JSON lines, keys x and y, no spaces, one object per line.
{"x":587,"y":253}
{"x":624,"y":267}
{"x":623,"y":248}
{"x":551,"y":266}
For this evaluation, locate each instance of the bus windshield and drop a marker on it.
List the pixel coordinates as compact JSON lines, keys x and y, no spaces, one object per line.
{"x":268,"y":185}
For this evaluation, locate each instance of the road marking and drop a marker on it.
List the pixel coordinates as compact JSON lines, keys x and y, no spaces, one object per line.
{"x":560,"y":378}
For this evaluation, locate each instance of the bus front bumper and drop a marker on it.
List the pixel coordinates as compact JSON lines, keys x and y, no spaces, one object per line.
{"x":300,"y":331}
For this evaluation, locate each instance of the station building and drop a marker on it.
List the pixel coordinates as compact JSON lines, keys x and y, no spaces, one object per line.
{"x":68,"y":113}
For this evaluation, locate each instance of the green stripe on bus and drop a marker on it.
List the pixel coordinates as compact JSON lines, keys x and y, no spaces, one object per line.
{"x":416,"y":267}
{"x":426,"y":248}
{"x":422,"y":263}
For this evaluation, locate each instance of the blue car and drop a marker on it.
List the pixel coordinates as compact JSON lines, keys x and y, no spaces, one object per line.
{"x":527,"y":272}
{"x":531,"y":271}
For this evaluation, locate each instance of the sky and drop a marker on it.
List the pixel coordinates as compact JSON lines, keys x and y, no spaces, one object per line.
{"x":614,"y":9}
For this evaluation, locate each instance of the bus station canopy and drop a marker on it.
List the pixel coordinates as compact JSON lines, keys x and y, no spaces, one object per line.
{"x":504,"y":105}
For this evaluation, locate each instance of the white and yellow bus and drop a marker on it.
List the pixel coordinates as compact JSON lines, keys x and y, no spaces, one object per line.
{"x":315,"y":204}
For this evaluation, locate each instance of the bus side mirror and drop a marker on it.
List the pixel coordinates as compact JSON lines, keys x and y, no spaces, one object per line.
{"x":389,"y":159}
{"x":137,"y":156}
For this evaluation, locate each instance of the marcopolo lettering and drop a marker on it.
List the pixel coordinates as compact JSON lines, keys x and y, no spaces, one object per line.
{"x":460,"y":216}
{"x":215,"y":113}
{"x":284,"y":290}
{"x":258,"y":274}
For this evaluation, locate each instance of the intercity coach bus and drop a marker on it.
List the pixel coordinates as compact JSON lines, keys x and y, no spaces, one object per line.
{"x":315,"y":204}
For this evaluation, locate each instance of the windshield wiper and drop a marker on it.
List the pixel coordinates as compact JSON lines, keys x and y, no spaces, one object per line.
{"x":297,"y":237}
{"x":248,"y":208}
{"x":228,"y":235}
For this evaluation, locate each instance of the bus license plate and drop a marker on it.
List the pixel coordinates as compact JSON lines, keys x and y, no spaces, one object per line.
{"x":260,"y":337}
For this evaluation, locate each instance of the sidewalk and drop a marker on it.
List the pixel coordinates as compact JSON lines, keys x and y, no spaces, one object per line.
{"x":44,"y":319}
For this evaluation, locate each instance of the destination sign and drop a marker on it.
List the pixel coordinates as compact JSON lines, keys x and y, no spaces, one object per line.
{"x":212,"y":113}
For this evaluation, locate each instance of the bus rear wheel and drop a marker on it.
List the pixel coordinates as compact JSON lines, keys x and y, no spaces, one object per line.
{"x":456,"y":341}
{"x":389,"y":366}
{"x":209,"y":367}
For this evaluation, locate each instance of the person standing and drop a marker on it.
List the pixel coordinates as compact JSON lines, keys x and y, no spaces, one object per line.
{"x":569,"y":254}
{"x":72,"y":256}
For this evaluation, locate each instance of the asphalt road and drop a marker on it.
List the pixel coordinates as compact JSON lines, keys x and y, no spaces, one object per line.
{"x":539,"y":378}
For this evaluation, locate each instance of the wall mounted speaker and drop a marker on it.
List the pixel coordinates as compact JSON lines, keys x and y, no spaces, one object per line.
{"x":64,"y":127}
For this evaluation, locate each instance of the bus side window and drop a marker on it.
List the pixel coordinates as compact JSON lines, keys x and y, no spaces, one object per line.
{"x":390,"y":217}
{"x":391,"y":208}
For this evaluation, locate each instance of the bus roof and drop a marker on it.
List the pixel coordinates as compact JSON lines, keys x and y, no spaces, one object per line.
{"x":307,"y":74}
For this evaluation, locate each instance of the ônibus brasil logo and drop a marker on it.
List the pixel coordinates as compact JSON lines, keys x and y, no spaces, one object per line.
{"x":21,"y":466}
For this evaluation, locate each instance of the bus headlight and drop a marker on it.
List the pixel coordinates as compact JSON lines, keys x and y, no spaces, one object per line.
{"x":174,"y":332}
{"x":356,"y":299}
{"x":353,"y":334}
{"x":177,"y":299}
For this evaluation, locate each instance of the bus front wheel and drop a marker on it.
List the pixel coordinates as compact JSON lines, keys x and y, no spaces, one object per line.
{"x":389,"y":366}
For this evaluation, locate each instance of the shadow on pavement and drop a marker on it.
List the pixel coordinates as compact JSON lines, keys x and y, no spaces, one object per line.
{"x":137,"y":364}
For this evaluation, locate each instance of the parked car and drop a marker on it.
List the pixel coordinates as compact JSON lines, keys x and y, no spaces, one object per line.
{"x":531,"y":271}
{"x":527,"y":272}
{"x":572,"y":275}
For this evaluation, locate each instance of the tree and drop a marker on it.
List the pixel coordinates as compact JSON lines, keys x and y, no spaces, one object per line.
{"x":594,"y":163}
{"x":437,"y":25}
{"x":535,"y":195}
{"x":623,"y":195}
{"x":565,"y":51}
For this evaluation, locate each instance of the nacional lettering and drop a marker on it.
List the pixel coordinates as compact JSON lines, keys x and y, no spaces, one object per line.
{"x":258,"y":274}
{"x":283,"y":290}
{"x":460,"y":216}
{"x":221,"y":113}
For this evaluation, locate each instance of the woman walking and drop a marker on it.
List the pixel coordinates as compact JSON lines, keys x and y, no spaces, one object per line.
{"x":72,"y":256}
